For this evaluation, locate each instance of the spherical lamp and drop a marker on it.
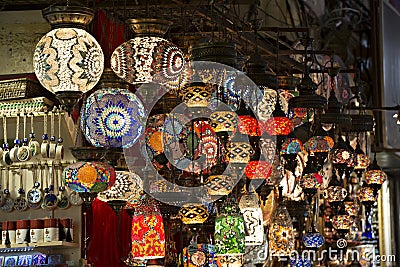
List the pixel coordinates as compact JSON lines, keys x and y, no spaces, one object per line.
{"x":68,"y":61}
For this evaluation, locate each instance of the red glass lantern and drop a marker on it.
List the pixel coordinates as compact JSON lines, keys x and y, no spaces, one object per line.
{"x":278,"y":126}
{"x":148,"y":236}
{"x":258,"y":170}
{"x":249,"y":125}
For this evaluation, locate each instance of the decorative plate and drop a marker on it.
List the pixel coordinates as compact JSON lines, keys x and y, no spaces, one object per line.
{"x":112,"y":118}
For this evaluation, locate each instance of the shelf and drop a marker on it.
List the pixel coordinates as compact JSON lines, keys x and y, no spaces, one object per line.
{"x":40,"y":245}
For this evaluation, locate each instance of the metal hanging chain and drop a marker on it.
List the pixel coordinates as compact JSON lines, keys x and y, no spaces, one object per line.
{"x":45,"y":124}
{"x":24,"y":118}
{"x":32,"y":123}
{"x":60,"y":140}
{"x":52,"y":124}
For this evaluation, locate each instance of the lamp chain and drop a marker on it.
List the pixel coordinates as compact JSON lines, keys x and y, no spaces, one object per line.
{"x":45,"y":123}
{"x":24,"y":125}
{"x":17,"y":130}
{"x":5,"y":128}
{"x":52,"y":123}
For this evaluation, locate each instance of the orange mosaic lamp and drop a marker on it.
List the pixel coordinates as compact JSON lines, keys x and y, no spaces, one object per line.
{"x":148,"y":234}
{"x":258,"y":169}
{"x":249,"y":125}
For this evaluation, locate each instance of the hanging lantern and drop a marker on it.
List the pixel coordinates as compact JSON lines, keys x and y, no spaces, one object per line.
{"x":310,"y":182}
{"x":367,"y":196}
{"x":253,"y":217}
{"x":278,"y":126}
{"x":362,"y":161}
{"x":197,"y":95}
{"x":128,"y":185}
{"x":239,"y":152}
{"x":267,"y":105}
{"x":375,"y":177}
{"x":249,"y":125}
{"x":258,"y":169}
{"x":148,"y":57}
{"x":229,"y":230}
{"x":351,"y":207}
{"x":281,"y":234}
{"x":193,"y":214}
{"x":220,"y":185}
{"x":313,"y":240}
{"x":68,"y":61}
{"x":319,"y":146}
{"x":300,"y":262}
{"x":290,"y":148}
{"x":335,"y":195}
{"x":112,"y":118}
{"x":341,"y":156}
{"x":148,"y":236}
{"x":223,"y":121}
{"x":231,"y":261}
{"x":200,"y":255}
{"x":90,"y":177}
{"x":342,"y":223}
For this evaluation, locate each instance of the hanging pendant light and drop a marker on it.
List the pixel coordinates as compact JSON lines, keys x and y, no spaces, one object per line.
{"x":253,"y":217}
{"x":278,"y":125}
{"x":229,"y":230}
{"x":335,"y":194}
{"x":375,"y":177}
{"x":362,"y":160}
{"x":290,"y":148}
{"x":220,"y":185}
{"x":68,"y":61}
{"x":148,"y":234}
{"x":341,"y":156}
{"x":193,"y":214}
{"x":148,"y":57}
{"x":281,"y":234}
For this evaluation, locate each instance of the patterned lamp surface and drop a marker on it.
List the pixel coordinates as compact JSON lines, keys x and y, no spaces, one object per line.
{"x":258,"y":169}
{"x":341,"y":156}
{"x":200,"y":255}
{"x":352,"y":207}
{"x":310,"y":181}
{"x":342,"y":222}
{"x":229,"y":232}
{"x":313,"y":240}
{"x":154,"y":134}
{"x":148,"y":234}
{"x":366,"y":194}
{"x":224,"y":121}
{"x":68,"y":59}
{"x":92,"y":177}
{"x":128,"y":186}
{"x":193,"y":214}
{"x":220,"y":185}
{"x":335,"y":193}
{"x":112,"y":118}
{"x":253,"y":217}
{"x":231,"y":261}
{"x":375,"y":177}
{"x":362,"y":162}
{"x":249,"y":125}
{"x":268,"y":147}
{"x":197,"y":95}
{"x":268,"y":103}
{"x":300,"y":262}
{"x":319,"y":144}
{"x":239,"y":152}
{"x":281,"y":234}
{"x":146,"y":59}
{"x":291,"y":146}
{"x":278,"y":126}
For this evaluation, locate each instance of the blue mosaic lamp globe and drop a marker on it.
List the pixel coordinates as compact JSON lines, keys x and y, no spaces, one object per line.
{"x":313,"y":240}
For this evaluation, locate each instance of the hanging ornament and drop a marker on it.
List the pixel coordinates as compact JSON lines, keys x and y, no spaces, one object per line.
{"x":362,"y":160}
{"x":193,"y":214}
{"x":89,"y":177}
{"x":111,"y":117}
{"x":290,"y":148}
{"x":148,"y":234}
{"x":341,"y":156}
{"x":229,"y":230}
{"x":68,"y":61}
{"x":220,"y":185}
{"x":148,"y":57}
{"x":281,"y":234}
{"x":250,"y":208}
{"x":375,"y":177}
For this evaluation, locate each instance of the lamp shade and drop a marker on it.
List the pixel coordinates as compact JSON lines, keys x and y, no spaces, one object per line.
{"x":253,"y":217}
{"x":249,"y":125}
{"x":268,"y":104}
{"x":342,"y":222}
{"x":313,"y":240}
{"x":300,"y":262}
{"x":197,"y":95}
{"x":310,"y":181}
{"x":375,"y":177}
{"x":351,"y":207}
{"x":239,"y":152}
{"x":193,"y":214}
{"x":91,"y":177}
{"x":366,"y":195}
{"x":148,"y":57}
{"x":319,"y":144}
{"x":128,"y":186}
{"x":231,"y":261}
{"x":223,"y":121}
{"x":111,"y":117}
{"x":335,"y":194}
{"x":229,"y":230}
{"x":291,"y":146}
{"x":278,"y":126}
{"x":68,"y":61}
{"x":281,"y":235}
{"x":200,"y":255}
{"x":258,"y":169}
{"x":220,"y":185}
{"x":148,"y":234}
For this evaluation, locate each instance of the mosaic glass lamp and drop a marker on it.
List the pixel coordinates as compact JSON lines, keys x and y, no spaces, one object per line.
{"x":319,"y":145}
{"x":197,"y":95}
{"x":351,"y":207}
{"x":362,"y":161}
{"x":249,"y":125}
{"x":258,"y":169}
{"x":313,"y":240}
{"x":193,"y":214}
{"x":253,"y":217}
{"x":111,"y":117}
{"x":220,"y":185}
{"x":335,"y":194}
{"x":68,"y":61}
{"x":268,"y":103}
{"x":231,"y":261}
{"x":367,"y":196}
{"x":290,"y":148}
{"x":342,"y":223}
{"x":223,"y":123}
{"x":340,"y":156}
{"x":148,"y":57}
{"x":300,"y":262}
{"x":310,"y":182}
{"x":229,"y":232}
{"x":239,"y":152}
{"x":375,"y":177}
{"x":281,"y":234}
{"x":148,"y":234}
{"x":89,"y":177}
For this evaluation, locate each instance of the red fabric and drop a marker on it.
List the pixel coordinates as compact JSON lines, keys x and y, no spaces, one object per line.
{"x":109,"y":32}
{"x":110,"y":236}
